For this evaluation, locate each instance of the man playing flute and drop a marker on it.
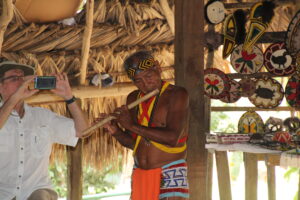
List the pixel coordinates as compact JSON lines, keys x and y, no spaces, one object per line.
{"x":156,"y":131}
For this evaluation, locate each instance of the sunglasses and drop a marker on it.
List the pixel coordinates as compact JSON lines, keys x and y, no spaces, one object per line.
{"x":12,"y":78}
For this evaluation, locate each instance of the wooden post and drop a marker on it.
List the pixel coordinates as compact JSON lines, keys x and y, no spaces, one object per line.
{"x":75,"y":154}
{"x":299,"y":184}
{"x":271,"y":181}
{"x":86,"y":40}
{"x":5,"y":18}
{"x":223,"y":175}
{"x":210,"y":167}
{"x":74,"y":158}
{"x":250,"y":161}
{"x":189,"y":64}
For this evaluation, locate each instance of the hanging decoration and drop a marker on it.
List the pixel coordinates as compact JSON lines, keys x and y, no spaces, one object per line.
{"x":292,"y":40}
{"x":234,"y":94}
{"x":278,"y":61}
{"x":250,"y":122}
{"x":273,"y":125}
{"x":268,"y":94}
{"x":216,"y":83}
{"x":234,"y":31}
{"x":292,"y":124}
{"x":248,"y":87}
{"x":247,"y":63}
{"x":292,"y":91}
{"x":215,"y":11}
{"x":261,"y":15}
{"x":282,"y":137}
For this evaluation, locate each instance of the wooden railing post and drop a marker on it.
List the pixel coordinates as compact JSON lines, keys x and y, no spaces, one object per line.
{"x":223,"y":175}
{"x":250,"y":161}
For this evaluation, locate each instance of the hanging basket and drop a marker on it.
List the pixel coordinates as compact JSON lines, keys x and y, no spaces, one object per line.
{"x":41,"y":11}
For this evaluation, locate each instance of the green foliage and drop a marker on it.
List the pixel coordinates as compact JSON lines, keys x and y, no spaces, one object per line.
{"x":235,"y":161}
{"x":291,"y":172}
{"x":94,"y":181}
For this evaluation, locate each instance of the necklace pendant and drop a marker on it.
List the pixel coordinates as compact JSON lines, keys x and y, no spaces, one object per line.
{"x":147,"y":142}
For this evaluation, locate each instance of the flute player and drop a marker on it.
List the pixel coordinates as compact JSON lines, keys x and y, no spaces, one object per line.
{"x":156,"y":132}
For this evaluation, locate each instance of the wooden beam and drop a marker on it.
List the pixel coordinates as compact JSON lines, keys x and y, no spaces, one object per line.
{"x":83,"y":92}
{"x":223,"y":175}
{"x":5,"y":18}
{"x":229,"y":109}
{"x":168,"y":14}
{"x":250,"y":162}
{"x":213,"y":39}
{"x":189,"y":67}
{"x":250,"y":4}
{"x":86,"y":41}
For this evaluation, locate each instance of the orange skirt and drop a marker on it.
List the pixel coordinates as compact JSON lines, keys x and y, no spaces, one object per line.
{"x":146,"y":184}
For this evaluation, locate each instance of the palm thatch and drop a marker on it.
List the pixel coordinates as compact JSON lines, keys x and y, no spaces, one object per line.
{"x":119,"y":29}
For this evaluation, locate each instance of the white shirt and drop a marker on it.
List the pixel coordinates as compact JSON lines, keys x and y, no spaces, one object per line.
{"x":25,"y":148}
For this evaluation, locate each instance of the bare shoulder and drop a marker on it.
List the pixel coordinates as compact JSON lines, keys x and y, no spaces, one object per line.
{"x":177,"y":95}
{"x":132,"y":96}
{"x":177,"y":92}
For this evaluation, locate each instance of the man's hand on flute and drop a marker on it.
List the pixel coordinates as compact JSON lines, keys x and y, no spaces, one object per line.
{"x":123,"y":117}
{"x":110,"y":126}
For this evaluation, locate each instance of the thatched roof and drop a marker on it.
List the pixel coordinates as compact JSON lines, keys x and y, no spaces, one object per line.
{"x":119,"y":28}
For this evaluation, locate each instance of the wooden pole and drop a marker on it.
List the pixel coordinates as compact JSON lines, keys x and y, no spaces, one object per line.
{"x":271,"y":180}
{"x":74,"y":155}
{"x":210,"y":167}
{"x":83,"y":92}
{"x":5,"y":18}
{"x":189,"y":64}
{"x":223,"y":175}
{"x":250,"y":162}
{"x":74,"y":159}
{"x":86,"y":41}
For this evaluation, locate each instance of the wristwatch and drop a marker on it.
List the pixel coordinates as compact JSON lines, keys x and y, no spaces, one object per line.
{"x":69,"y":101}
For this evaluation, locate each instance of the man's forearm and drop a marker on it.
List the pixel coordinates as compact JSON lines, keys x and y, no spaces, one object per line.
{"x":79,"y":118}
{"x":6,"y":109}
{"x":125,"y":139}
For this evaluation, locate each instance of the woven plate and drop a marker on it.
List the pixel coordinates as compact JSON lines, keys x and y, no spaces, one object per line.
{"x":215,"y":11}
{"x":251,"y":122}
{"x":292,"y":91}
{"x":292,"y":39}
{"x":278,"y":61}
{"x":247,"y":62}
{"x":268,"y":94}
{"x":216,"y":83}
{"x":234,"y":94}
{"x":247,"y":87}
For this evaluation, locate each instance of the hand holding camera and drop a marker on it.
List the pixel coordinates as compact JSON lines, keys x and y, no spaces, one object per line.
{"x":63,"y":88}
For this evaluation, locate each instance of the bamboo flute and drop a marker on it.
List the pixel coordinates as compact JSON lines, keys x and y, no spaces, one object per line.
{"x":87,"y":133}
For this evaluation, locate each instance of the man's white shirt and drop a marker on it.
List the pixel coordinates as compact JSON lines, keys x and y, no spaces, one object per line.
{"x":25,"y":148}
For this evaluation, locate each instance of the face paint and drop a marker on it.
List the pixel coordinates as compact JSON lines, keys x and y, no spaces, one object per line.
{"x":215,"y":12}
